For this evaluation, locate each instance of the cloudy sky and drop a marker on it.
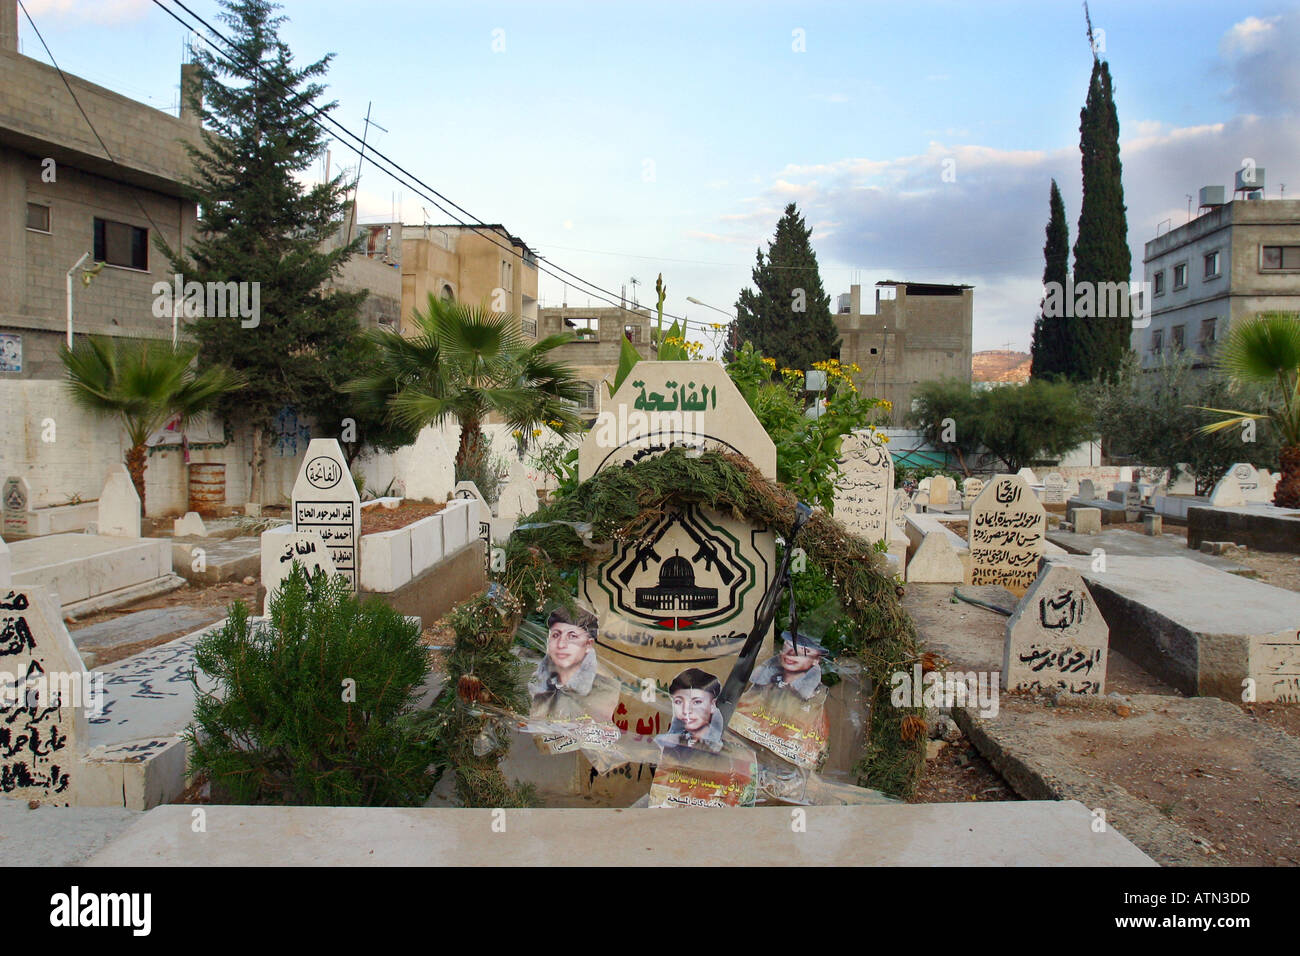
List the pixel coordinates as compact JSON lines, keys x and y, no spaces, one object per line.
{"x":624,"y":140}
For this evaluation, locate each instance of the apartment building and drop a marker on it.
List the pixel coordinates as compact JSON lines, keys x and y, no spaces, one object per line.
{"x":599,"y":335}
{"x":1232,"y":261}
{"x":919,"y":332}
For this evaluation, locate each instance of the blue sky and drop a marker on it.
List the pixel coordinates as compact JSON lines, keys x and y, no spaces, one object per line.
{"x":622,"y":140}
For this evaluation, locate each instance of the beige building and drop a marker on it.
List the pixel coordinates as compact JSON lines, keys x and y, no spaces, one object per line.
{"x":62,"y":197}
{"x":600,"y":333}
{"x":483,"y":265}
{"x":919,"y":332}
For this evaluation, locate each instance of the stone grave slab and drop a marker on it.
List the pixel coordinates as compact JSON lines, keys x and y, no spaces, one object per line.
{"x":1053,"y":489}
{"x":863,"y":490}
{"x":1006,"y":535}
{"x":45,"y":710}
{"x":78,"y":567}
{"x":17,"y":501}
{"x":1028,"y":475}
{"x":1056,"y":639}
{"x":119,"y":505}
{"x":325,"y":501}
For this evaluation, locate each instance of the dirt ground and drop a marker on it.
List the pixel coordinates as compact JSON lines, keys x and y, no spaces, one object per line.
{"x":380,"y":518}
{"x":959,"y":774}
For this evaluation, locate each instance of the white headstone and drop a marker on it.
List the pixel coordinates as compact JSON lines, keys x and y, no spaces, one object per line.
{"x":427,"y":468}
{"x":862,"y":493}
{"x":325,"y":501}
{"x":1053,"y":489}
{"x":1227,"y":492}
{"x":902,"y":508}
{"x":17,"y":499}
{"x":1056,"y":639}
{"x":1251,"y":482}
{"x":685,"y":594}
{"x":281,"y":547}
{"x":518,"y":498}
{"x":924,"y":485}
{"x":119,"y":505}
{"x":191,"y":524}
{"x":41,"y":743}
{"x":970,"y":490}
{"x":1132,"y":501}
{"x":480,"y":510}
{"x":921,"y":500}
{"x":1268,"y":483}
{"x":1086,"y":490}
{"x":1028,"y":475}
{"x":1183,"y":484}
{"x":1006,"y":534}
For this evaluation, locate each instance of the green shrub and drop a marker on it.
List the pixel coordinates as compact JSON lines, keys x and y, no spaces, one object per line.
{"x":483,"y":468}
{"x":316,"y":708}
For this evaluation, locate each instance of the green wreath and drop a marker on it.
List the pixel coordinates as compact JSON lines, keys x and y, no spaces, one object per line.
{"x":551,"y":546}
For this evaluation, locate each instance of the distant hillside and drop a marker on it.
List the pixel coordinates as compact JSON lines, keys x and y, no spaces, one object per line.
{"x":1000,"y":365}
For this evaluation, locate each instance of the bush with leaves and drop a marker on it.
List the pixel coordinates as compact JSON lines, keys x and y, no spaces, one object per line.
{"x":314,"y":707}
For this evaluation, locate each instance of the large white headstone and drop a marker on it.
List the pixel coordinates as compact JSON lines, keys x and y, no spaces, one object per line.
{"x":866,"y":481}
{"x":1006,"y":534}
{"x":281,"y":547}
{"x":942,"y":488}
{"x":119,"y":505}
{"x":325,"y":501}
{"x":1252,"y":484}
{"x":40,"y":740}
{"x":684,"y":595}
{"x":1227,"y":492}
{"x":1056,"y":639}
{"x":17,"y":499}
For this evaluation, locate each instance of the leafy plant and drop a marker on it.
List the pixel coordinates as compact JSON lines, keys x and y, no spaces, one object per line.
{"x":560,"y":462}
{"x":144,"y":383}
{"x":314,"y":707}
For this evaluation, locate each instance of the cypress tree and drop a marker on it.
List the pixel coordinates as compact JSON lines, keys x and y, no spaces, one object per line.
{"x":789,"y":317}
{"x":260,"y":224}
{"x":1050,"y":348}
{"x":1101,"y":254}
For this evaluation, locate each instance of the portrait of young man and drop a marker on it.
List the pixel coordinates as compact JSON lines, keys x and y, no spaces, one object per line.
{"x":697,"y":723}
{"x":784,"y":707}
{"x":567,"y":685}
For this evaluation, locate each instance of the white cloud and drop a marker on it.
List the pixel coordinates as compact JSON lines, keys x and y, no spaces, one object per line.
{"x":1260,"y":56}
{"x":95,"y":11}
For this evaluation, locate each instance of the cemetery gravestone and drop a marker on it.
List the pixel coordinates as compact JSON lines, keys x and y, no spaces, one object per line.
{"x":970,"y":490}
{"x":480,"y":513}
{"x":119,"y":505}
{"x":1086,"y":490}
{"x":1227,"y":492}
{"x":1056,"y":639}
{"x":1132,"y":502}
{"x":1251,"y":482}
{"x":685,"y":595}
{"x":281,"y":547}
{"x":325,"y":501}
{"x":1028,"y":475}
{"x":1054,"y":489}
{"x":941,"y":489}
{"x":862,"y":495}
{"x":1006,"y":534}
{"x":17,"y":497}
{"x":902,"y":508}
{"x":42,"y":737}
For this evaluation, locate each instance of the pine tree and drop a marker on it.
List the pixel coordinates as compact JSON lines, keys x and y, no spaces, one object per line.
{"x":1050,"y":348}
{"x":1101,"y":254}
{"x":789,"y":317}
{"x":260,"y":224}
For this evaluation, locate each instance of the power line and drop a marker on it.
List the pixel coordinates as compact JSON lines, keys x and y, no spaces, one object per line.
{"x":600,"y":293}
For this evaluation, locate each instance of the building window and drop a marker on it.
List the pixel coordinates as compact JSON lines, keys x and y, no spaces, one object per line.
{"x":507,"y":275}
{"x":529,"y":327}
{"x":1279,"y":257}
{"x":1157,"y":340}
{"x":38,"y":217}
{"x":120,"y":244}
{"x":1176,"y":337}
{"x":632,"y":333}
{"x":1180,"y":276}
{"x":587,"y":400}
{"x":1212,"y":265}
{"x":447,"y":294}
{"x":1158,"y":283}
{"x":1207,"y":335}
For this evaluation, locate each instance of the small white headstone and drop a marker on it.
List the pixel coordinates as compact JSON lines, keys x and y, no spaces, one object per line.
{"x":325,"y":501}
{"x":921,"y":500}
{"x":17,"y":499}
{"x":1006,"y":534}
{"x":1227,"y":493}
{"x":924,"y":485}
{"x":119,"y":505}
{"x":902,"y":508}
{"x":970,"y":490}
{"x":1086,"y":490}
{"x":941,"y":489}
{"x":191,"y":524}
{"x":281,"y":547}
{"x":480,"y":510}
{"x":1054,"y":489}
{"x":1028,"y":475}
{"x":1056,"y":639}
{"x":39,"y":756}
{"x":862,"y":493}
{"x":518,"y":498}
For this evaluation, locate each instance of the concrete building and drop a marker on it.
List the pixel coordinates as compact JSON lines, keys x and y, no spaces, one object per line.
{"x":61,"y":197}
{"x":600,"y":334}
{"x":467,"y":264}
{"x":920,"y":332}
{"x":1234,"y":260}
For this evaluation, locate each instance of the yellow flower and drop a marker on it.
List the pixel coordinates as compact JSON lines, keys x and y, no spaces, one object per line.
{"x":517,"y":433}
{"x":536,"y":432}
{"x":885,"y":439}
{"x":715,"y":325}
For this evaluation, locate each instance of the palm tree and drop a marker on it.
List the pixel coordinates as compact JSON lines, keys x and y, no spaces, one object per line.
{"x":1266,"y":352}
{"x":466,"y":363}
{"x":145,"y":383}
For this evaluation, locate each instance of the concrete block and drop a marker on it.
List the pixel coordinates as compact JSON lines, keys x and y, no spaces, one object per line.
{"x":1086,"y":520}
{"x":456,"y":524}
{"x":1152,"y":524}
{"x":1262,"y":527}
{"x":426,"y":544}
{"x":935,"y":561}
{"x":386,"y":560}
